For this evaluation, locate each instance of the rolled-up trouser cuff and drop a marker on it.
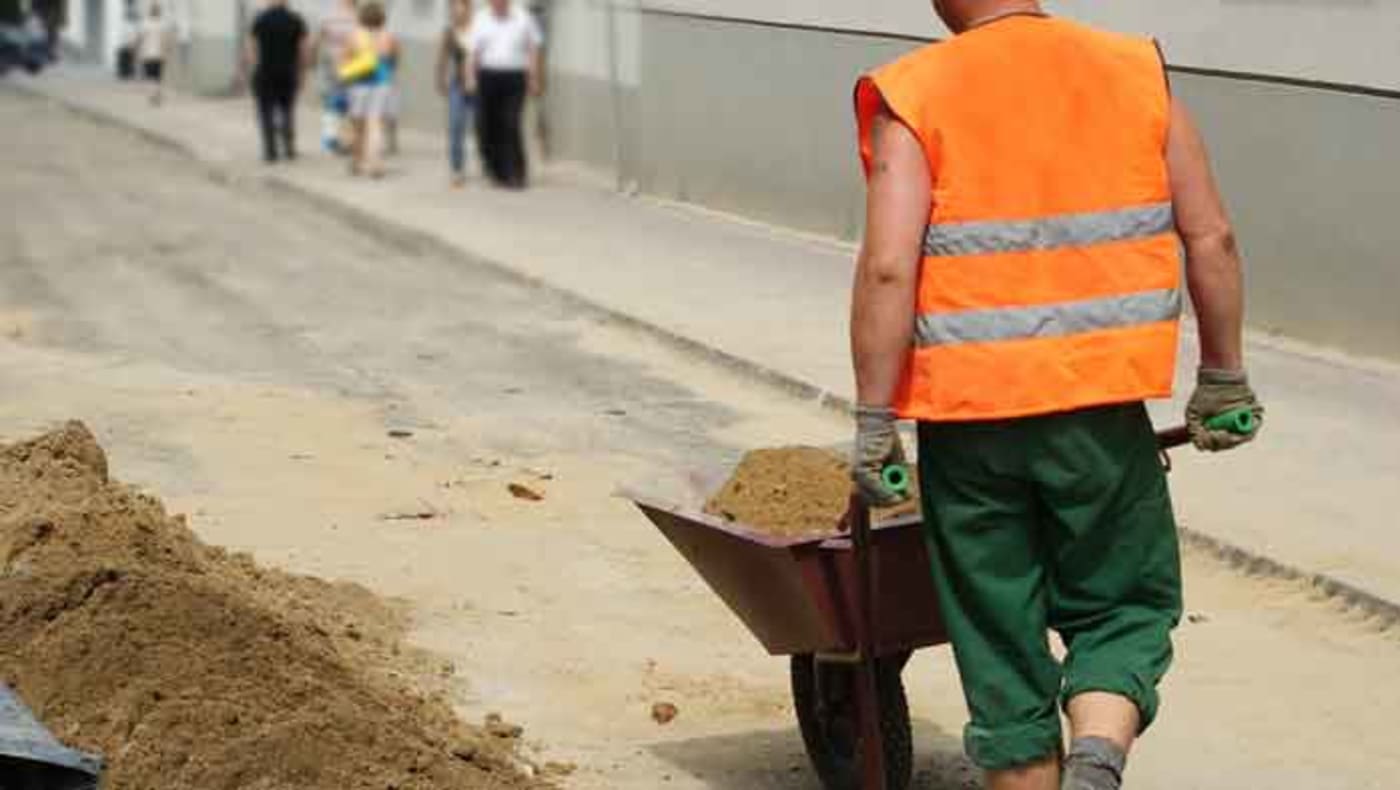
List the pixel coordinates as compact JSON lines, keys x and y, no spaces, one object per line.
{"x":1011,"y":746}
{"x":1141,"y":694}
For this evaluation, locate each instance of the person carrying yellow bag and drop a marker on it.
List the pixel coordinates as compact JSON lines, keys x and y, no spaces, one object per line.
{"x":362,"y":63}
{"x":368,"y":69}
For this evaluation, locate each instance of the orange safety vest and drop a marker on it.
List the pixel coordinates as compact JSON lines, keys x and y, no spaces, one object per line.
{"x":1051,"y":277}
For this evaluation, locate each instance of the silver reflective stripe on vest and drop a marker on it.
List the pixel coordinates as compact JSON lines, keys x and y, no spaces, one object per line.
{"x":1054,"y":320}
{"x":1070,"y":230}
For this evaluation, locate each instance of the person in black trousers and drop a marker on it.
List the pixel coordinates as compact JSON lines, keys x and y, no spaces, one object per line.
{"x":276,"y":56}
{"x":502,"y":98}
{"x":505,"y":41}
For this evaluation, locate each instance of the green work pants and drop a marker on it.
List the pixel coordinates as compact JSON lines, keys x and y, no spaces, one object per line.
{"x":1060,"y":523}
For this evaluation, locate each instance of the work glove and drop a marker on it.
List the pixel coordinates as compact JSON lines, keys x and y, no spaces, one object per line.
{"x":877,"y":446}
{"x":1221,"y":392}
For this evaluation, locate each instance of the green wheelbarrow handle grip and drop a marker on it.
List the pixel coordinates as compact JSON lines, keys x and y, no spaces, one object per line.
{"x":1241,"y":421}
{"x":896,"y":478}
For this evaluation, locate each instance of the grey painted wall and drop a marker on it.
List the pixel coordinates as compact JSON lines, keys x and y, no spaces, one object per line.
{"x":1334,"y":40}
{"x":749,"y":119}
{"x":756,"y":120}
{"x":420,"y":105}
{"x":205,"y":64}
{"x":594,"y":121}
{"x":1313,"y":180}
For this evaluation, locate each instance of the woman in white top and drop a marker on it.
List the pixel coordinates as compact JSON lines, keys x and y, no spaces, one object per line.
{"x":505,"y":43}
{"x":152,"y":42}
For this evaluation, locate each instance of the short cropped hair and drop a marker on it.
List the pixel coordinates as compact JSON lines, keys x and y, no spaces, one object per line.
{"x":372,"y":15}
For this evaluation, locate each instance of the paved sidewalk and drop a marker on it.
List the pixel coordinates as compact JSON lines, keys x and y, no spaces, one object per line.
{"x":1320,"y":492}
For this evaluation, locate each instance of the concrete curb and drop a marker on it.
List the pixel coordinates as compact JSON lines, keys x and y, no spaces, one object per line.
{"x":1385,"y":613}
{"x":1252,"y":563}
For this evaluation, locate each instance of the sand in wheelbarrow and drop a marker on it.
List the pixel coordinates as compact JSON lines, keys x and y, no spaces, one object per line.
{"x":190,"y":667}
{"x":791,"y":492}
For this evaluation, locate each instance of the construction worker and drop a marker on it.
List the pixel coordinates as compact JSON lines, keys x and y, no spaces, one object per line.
{"x":1031,"y":185}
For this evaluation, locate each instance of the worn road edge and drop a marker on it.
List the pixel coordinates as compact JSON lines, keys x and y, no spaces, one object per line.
{"x":1385,"y":612}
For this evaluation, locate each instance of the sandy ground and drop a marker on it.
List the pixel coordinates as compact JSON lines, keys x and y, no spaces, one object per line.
{"x":247,"y":356}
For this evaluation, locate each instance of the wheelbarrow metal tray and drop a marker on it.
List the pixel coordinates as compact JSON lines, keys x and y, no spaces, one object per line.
{"x":798,"y":596}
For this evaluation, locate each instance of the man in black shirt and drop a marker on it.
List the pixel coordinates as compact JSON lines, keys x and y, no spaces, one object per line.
{"x":276,"y":56}
{"x":54,"y":16}
{"x":11,"y":13}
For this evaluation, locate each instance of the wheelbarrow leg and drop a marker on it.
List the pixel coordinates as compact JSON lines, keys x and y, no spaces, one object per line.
{"x":872,"y":738}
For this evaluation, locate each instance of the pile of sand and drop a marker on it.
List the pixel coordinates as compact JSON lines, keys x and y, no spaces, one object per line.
{"x":188,"y":667}
{"x":790,"y":492}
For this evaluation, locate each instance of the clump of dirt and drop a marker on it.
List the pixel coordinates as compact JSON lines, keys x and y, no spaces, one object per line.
{"x":189,"y":667}
{"x":791,"y":492}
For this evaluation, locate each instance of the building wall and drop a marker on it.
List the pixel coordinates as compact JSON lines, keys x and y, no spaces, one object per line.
{"x":1312,"y":179}
{"x":75,"y":35}
{"x":744,"y":106}
{"x":105,"y":29}
{"x":1350,"y":41}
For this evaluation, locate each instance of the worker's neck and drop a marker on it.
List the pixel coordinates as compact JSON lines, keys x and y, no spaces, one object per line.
{"x":991,"y":12}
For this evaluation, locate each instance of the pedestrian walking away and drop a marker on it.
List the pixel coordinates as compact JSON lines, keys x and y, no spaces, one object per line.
{"x":153,"y":38}
{"x":393,"y":99}
{"x":53,"y":14}
{"x":276,"y":57}
{"x":1031,"y":183}
{"x":23,"y":42}
{"x":329,"y":45}
{"x":505,"y":43}
{"x":368,"y":69}
{"x":453,"y":84}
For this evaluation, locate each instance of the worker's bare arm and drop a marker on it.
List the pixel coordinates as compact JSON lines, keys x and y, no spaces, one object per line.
{"x":897,"y":210}
{"x":1213,"y":268}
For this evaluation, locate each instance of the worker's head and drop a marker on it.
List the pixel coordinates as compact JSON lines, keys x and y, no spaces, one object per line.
{"x":500,"y":7}
{"x":959,"y":15}
{"x":461,"y":11}
{"x":372,"y":15}
{"x":154,"y":10}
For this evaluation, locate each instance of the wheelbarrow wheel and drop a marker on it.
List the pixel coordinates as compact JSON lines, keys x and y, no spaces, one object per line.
{"x":823,"y":693}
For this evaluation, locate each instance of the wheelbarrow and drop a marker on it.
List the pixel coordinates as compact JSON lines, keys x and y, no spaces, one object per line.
{"x":847,"y":609}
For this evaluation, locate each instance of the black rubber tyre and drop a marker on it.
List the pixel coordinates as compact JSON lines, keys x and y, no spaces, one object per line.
{"x":824,"y":695}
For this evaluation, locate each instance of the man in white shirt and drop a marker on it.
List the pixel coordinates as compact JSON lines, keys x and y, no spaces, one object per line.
{"x":505,"y":42}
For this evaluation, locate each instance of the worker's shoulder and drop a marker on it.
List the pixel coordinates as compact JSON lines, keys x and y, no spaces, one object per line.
{"x":917,"y":61}
{"x":1108,"y":38}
